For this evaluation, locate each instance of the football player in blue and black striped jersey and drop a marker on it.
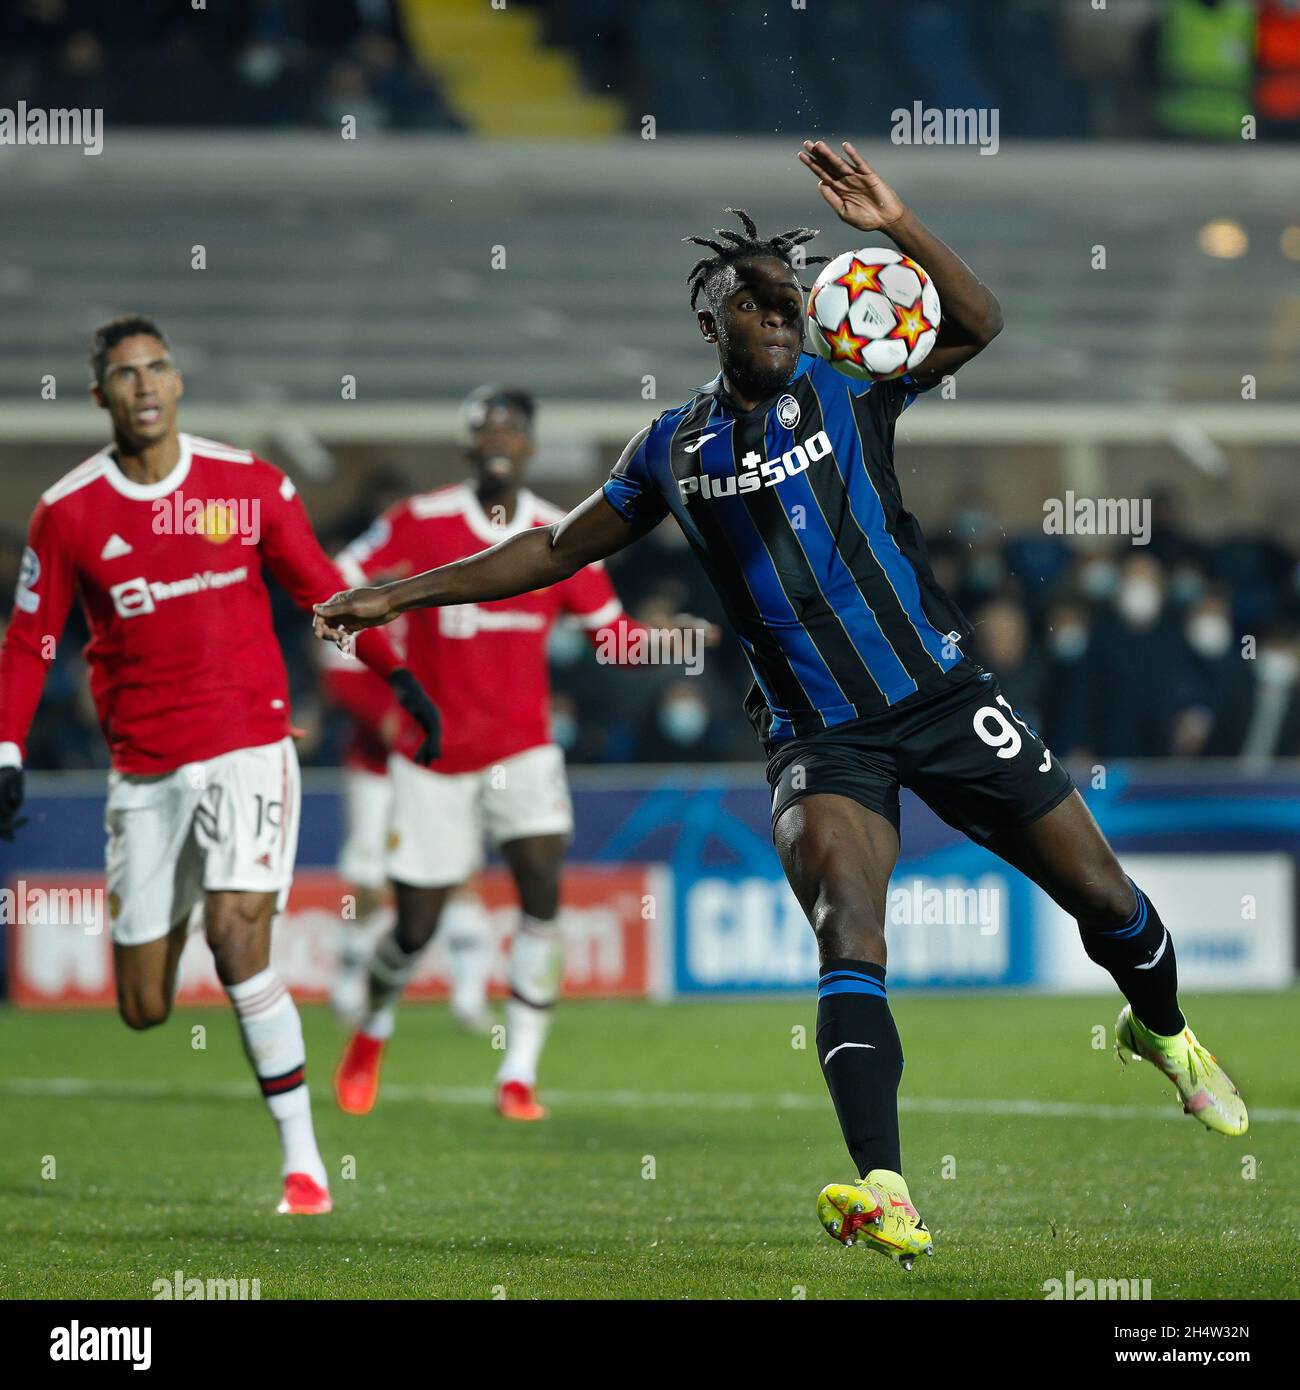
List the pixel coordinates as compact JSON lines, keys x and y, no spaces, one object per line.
{"x":780,"y":474}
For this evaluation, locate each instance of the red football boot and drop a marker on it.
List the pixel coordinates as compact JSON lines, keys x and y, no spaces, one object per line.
{"x":356,"y":1083}
{"x":518,"y":1101}
{"x":304,"y":1196}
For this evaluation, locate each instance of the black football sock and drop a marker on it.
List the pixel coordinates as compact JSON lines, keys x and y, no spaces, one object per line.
{"x":862,"y":1060}
{"x":1139,"y":954}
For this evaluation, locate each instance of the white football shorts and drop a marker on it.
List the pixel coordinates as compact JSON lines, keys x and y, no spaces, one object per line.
{"x":440,"y":820}
{"x":367,"y":805}
{"x":227,"y":823}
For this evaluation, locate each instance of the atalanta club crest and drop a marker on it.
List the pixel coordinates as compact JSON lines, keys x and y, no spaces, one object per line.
{"x":787,"y":412}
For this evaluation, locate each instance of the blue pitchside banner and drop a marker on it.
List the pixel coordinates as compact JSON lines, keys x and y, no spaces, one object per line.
{"x":1217,"y":852}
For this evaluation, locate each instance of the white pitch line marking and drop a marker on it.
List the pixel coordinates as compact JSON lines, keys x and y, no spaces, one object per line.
{"x":72,"y":1087}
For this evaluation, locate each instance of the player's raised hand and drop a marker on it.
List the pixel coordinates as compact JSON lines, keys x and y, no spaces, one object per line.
{"x":339,"y":617}
{"x":858,"y":195}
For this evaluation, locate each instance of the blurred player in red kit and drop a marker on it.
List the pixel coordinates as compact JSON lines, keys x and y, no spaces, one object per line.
{"x":500,"y":775}
{"x":376,"y":725}
{"x":166,"y":538}
{"x":367,"y":799}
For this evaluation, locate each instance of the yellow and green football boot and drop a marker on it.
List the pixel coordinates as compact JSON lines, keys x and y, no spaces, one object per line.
{"x":1206,"y":1089}
{"x":877,"y":1210}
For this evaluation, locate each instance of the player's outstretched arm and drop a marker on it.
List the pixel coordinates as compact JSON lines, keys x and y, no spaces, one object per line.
{"x":294,"y":556}
{"x":534,"y":559}
{"x":46,"y":587}
{"x":972,"y":316}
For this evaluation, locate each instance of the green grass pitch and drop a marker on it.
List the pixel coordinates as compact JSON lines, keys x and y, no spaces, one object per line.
{"x":686,"y":1145}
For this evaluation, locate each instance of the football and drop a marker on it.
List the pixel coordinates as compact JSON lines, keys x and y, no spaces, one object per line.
{"x":873,"y":314}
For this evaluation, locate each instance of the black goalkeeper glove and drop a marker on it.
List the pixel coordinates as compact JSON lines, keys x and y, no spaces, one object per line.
{"x":414,"y":699}
{"x":11,"y":799}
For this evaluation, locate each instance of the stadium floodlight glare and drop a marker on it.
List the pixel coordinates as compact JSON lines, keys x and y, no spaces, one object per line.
{"x":1225,"y":239}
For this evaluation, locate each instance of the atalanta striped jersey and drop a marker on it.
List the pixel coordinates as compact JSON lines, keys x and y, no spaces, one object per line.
{"x":795,"y":511}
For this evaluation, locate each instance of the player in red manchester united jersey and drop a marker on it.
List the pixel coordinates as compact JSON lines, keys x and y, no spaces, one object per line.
{"x":166,"y":538}
{"x":376,"y":725}
{"x":500,"y":776}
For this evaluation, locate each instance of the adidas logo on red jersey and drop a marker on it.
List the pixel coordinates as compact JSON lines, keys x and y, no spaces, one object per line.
{"x":115,"y":547}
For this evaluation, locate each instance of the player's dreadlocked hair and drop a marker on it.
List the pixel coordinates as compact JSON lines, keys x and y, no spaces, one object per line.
{"x":735,"y":247}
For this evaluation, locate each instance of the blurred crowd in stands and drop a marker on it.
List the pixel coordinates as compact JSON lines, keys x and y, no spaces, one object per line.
{"x":1176,"y":648}
{"x":231,"y":63}
{"x":1050,"y":68}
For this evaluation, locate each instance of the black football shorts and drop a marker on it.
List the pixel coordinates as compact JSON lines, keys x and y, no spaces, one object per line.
{"x":957,"y":744}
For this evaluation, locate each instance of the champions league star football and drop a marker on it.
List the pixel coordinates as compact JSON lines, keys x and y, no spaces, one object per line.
{"x":649,"y":654}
